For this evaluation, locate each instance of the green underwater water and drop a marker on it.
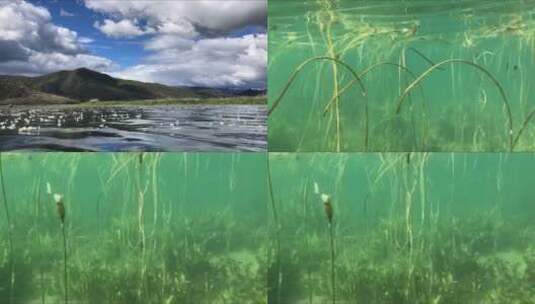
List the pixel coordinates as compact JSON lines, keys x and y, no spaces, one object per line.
{"x":220,"y":228}
{"x":476,"y":59}
{"x":139,"y":227}
{"x":406,"y":228}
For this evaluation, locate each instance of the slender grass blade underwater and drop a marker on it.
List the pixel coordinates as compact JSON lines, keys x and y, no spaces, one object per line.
{"x":401,"y":76}
{"x":133,"y":228}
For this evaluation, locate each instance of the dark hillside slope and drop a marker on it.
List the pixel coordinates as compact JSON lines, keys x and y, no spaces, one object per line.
{"x":84,"y":84}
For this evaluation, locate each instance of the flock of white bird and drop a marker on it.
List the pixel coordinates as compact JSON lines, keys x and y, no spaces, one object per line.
{"x":34,"y":121}
{"x":30,"y":122}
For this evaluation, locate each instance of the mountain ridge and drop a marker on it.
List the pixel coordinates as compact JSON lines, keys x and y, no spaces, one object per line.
{"x":83,"y":84}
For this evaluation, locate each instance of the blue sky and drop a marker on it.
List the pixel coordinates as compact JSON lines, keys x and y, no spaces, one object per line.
{"x":200,"y":43}
{"x":125,"y":52}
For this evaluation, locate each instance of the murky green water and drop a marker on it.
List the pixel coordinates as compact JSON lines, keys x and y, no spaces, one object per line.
{"x":473,"y":52}
{"x":429,"y":228}
{"x":202,"y":228}
{"x":139,"y":228}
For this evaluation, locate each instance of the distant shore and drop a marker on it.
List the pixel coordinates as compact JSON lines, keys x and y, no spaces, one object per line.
{"x":242,"y":100}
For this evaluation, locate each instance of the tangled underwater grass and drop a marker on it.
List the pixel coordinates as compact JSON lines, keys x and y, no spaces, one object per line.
{"x":513,"y":137}
{"x":326,"y":115}
{"x":117,"y":253}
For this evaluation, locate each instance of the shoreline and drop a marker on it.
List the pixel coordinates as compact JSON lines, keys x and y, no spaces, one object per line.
{"x":256,"y":100}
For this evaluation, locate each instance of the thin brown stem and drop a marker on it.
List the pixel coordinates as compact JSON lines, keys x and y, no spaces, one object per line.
{"x":524,"y":126}
{"x":333,"y":274}
{"x":277,"y":230}
{"x":65,"y":278}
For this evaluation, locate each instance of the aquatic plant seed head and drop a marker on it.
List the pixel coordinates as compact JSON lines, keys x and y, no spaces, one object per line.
{"x":48,"y":188}
{"x":316,"y":188}
{"x":61,"y":211}
{"x":328,"y":208}
{"x":58,"y":197}
{"x":325,"y":198}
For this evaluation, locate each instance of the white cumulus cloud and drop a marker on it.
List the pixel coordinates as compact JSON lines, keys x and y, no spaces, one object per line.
{"x":122,"y":29}
{"x":189,"y":41}
{"x":64,"y":13}
{"x":215,"y":62}
{"x":214,"y":15}
{"x":31,"y":44}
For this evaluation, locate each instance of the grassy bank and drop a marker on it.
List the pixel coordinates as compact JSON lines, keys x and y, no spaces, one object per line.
{"x":256,"y":100}
{"x":260,"y":100}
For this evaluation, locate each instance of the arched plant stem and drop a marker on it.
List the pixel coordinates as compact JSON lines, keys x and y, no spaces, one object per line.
{"x":303,"y":65}
{"x":431,"y":62}
{"x":361,"y":75}
{"x":524,"y":126}
{"x":478,"y":67}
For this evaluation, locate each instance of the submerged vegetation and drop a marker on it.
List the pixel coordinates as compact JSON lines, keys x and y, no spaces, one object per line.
{"x":193,"y":228}
{"x":357,"y":69}
{"x":410,"y":228}
{"x":133,"y":228}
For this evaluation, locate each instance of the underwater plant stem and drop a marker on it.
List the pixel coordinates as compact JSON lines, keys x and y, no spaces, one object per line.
{"x":155,"y":192}
{"x":304,"y":64}
{"x":478,"y":67}
{"x":9,"y":232}
{"x":334,"y":99}
{"x":307,"y":243}
{"x":65,"y":278}
{"x":373,"y":67}
{"x":141,"y":205}
{"x":423,"y":196}
{"x":141,"y":222}
{"x":277,"y":230}
{"x":41,"y":280}
{"x":337,"y":104}
{"x":431,"y":62}
{"x":333,"y":277}
{"x":361,"y":75}
{"x":272,"y":199}
{"x":332,"y":54}
{"x":335,"y":61}
{"x":524,"y":126}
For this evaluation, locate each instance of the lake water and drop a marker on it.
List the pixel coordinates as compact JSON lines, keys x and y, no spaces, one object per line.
{"x":155,"y":128}
{"x":475,"y":57}
{"x":419,"y":228}
{"x":139,"y":228}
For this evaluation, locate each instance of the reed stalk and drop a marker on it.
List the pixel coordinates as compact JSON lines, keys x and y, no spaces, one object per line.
{"x":65,"y":278}
{"x":60,"y":208}
{"x":307,"y":240}
{"x":141,"y":222}
{"x":38,"y":212}
{"x":9,"y":233}
{"x":277,"y":230}
{"x":329,"y":213}
{"x":332,"y":54}
{"x":524,"y":126}
{"x":333,"y":277}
